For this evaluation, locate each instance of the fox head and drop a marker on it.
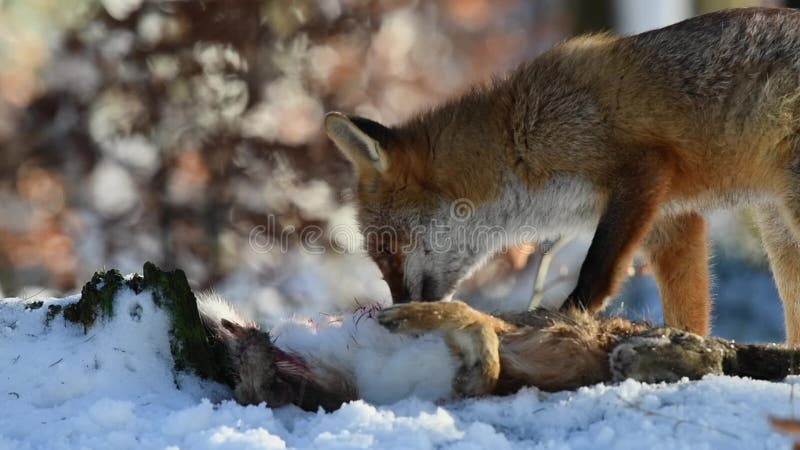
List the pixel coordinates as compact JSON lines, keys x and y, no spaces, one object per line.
{"x":414,"y":215}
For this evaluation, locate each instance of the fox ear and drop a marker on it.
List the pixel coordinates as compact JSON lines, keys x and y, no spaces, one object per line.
{"x":362,"y":141}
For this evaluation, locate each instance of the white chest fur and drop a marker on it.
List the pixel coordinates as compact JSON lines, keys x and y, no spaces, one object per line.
{"x":565,"y":204}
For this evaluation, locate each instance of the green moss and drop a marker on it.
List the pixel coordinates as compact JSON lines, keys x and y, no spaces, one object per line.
{"x":52,"y":312}
{"x":193,"y":347}
{"x":190,"y":343}
{"x":97,"y":299}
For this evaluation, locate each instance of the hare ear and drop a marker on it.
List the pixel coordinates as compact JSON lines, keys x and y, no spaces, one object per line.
{"x":233,"y":328}
{"x":362,"y":141}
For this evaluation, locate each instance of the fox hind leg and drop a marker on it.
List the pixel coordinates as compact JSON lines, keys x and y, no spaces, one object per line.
{"x":780,"y":229}
{"x":469,"y":334}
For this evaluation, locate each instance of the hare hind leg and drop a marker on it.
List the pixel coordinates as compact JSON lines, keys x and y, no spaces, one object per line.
{"x":568,"y":352}
{"x":469,"y":334}
{"x":667,"y":355}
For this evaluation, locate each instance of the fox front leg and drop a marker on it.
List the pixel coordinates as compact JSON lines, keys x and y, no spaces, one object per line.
{"x":632,"y":208}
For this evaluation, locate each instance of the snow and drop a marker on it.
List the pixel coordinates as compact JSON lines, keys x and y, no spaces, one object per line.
{"x":114,"y":387}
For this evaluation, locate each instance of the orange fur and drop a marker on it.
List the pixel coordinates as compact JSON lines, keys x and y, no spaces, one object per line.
{"x":662,"y":125}
{"x":784,"y":255}
{"x":678,"y":252}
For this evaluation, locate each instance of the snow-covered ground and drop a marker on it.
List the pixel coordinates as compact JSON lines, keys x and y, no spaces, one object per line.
{"x":114,"y":387}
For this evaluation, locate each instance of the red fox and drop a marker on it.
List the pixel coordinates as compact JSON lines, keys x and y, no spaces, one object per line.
{"x":484,"y":354}
{"x":632,"y":137}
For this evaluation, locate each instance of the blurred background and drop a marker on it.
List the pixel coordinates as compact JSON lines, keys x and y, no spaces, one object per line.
{"x":188,"y":133}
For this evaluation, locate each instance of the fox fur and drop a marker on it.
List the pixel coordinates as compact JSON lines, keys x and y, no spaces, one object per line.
{"x":489,"y":354}
{"x":631,"y":138}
